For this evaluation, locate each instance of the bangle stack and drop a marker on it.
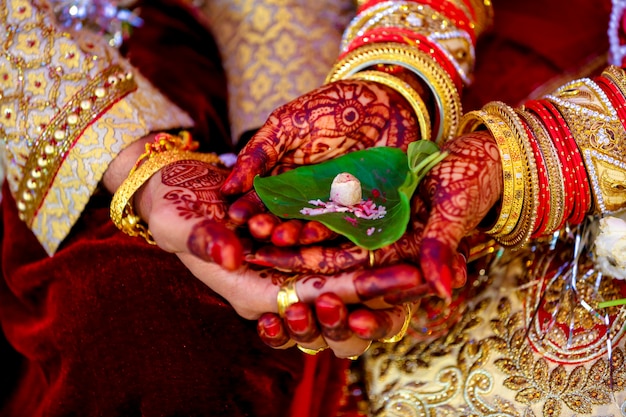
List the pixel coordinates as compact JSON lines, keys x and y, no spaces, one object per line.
{"x":563,"y":156}
{"x":432,"y":39}
{"x":165,"y":150}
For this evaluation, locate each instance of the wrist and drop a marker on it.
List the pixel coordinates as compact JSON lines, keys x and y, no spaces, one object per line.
{"x":124,"y":162}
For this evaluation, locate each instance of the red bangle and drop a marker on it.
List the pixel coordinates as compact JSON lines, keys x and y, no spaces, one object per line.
{"x":538,"y":107}
{"x":446,"y":8}
{"x":615,"y":96}
{"x":583,"y":192}
{"x":543,"y":208}
{"x":407,"y":37}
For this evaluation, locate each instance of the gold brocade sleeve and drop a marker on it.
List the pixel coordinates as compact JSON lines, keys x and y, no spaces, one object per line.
{"x":274,"y":51}
{"x":68,"y":105}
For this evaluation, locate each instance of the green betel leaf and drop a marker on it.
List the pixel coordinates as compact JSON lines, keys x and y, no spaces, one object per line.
{"x":388,"y":179}
{"x":382,"y":172}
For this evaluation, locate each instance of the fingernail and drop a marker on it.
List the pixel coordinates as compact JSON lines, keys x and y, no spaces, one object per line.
{"x":328,"y":314}
{"x":255,"y":261}
{"x":298,"y":319}
{"x":270,"y":325}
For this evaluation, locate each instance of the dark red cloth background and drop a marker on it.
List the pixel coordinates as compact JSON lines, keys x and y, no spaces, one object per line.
{"x":111,"y":326}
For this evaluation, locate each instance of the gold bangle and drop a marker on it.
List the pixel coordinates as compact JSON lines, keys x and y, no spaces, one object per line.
{"x":457,"y":46}
{"x":521,"y":229}
{"x":510,"y":161}
{"x":405,"y":90}
{"x":165,"y":142}
{"x":447,"y":98}
{"x":555,"y":178}
{"x":122,"y":212}
{"x":287,"y":295}
{"x":405,"y":326}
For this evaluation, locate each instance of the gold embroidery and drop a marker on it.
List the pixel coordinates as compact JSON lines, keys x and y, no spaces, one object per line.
{"x":486,"y":364}
{"x":60,"y":134}
{"x":43,"y":69}
{"x":274,"y":51}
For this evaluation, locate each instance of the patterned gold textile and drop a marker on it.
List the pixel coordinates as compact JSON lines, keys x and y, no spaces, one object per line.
{"x":274,"y":51}
{"x":527,"y":338}
{"x":68,"y":105}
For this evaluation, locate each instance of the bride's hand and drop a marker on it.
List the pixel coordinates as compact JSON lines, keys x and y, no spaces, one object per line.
{"x":328,"y":122}
{"x":451,"y":201}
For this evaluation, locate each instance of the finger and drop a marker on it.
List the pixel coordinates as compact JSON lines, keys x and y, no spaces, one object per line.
{"x":462,"y":189}
{"x":273,"y":332}
{"x":259,"y":155}
{"x":301,"y":324}
{"x":315,"y":232}
{"x":315,"y":259}
{"x":262,"y":226}
{"x":212,"y":241}
{"x":245,"y":207}
{"x":371,"y":324}
{"x":287,"y":233}
{"x":332,"y":314}
{"x":363,"y":285}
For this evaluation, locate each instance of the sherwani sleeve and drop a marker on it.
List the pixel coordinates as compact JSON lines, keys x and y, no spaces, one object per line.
{"x":273,"y":51}
{"x":69,"y":103}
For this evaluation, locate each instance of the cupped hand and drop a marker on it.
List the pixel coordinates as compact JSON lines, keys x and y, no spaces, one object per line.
{"x":328,"y":122}
{"x":186,"y":213}
{"x":350,"y":312}
{"x":451,"y":201}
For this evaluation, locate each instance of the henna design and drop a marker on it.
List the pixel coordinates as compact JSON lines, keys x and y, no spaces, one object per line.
{"x":198,"y":195}
{"x":213,"y":241}
{"x":333,"y":120}
{"x":463,"y":187}
{"x":312,"y":259}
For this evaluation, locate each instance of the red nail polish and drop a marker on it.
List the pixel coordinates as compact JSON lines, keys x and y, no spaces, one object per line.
{"x":270,"y":326}
{"x":298,"y":319}
{"x":329,"y":314}
{"x":255,"y":261}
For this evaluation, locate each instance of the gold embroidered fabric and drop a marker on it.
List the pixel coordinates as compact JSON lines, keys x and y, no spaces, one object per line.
{"x":68,"y":105}
{"x":600,"y":136}
{"x":524,"y":342}
{"x":274,"y":51}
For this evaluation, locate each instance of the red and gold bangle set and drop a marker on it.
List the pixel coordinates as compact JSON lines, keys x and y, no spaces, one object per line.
{"x":556,"y":151}
{"x":433,"y":39}
{"x":550,"y":150}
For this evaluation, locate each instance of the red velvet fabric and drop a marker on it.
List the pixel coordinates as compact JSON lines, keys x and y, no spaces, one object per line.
{"x":111,"y":326}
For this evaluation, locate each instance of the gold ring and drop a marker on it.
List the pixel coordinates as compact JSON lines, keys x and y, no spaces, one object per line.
{"x":372,"y":259}
{"x":405,"y":326}
{"x":312,"y":352}
{"x":287,"y":295}
{"x":355,"y":357}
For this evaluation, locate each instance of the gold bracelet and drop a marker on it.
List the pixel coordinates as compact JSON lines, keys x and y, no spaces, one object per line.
{"x":166,"y":142}
{"x":512,"y":166}
{"x":122,"y":212}
{"x":521,"y":229}
{"x":287,"y":295}
{"x":447,"y":98}
{"x":555,"y":178}
{"x":405,"y":90}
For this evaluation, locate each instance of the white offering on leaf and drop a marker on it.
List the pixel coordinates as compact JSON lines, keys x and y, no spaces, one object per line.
{"x":346,"y":190}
